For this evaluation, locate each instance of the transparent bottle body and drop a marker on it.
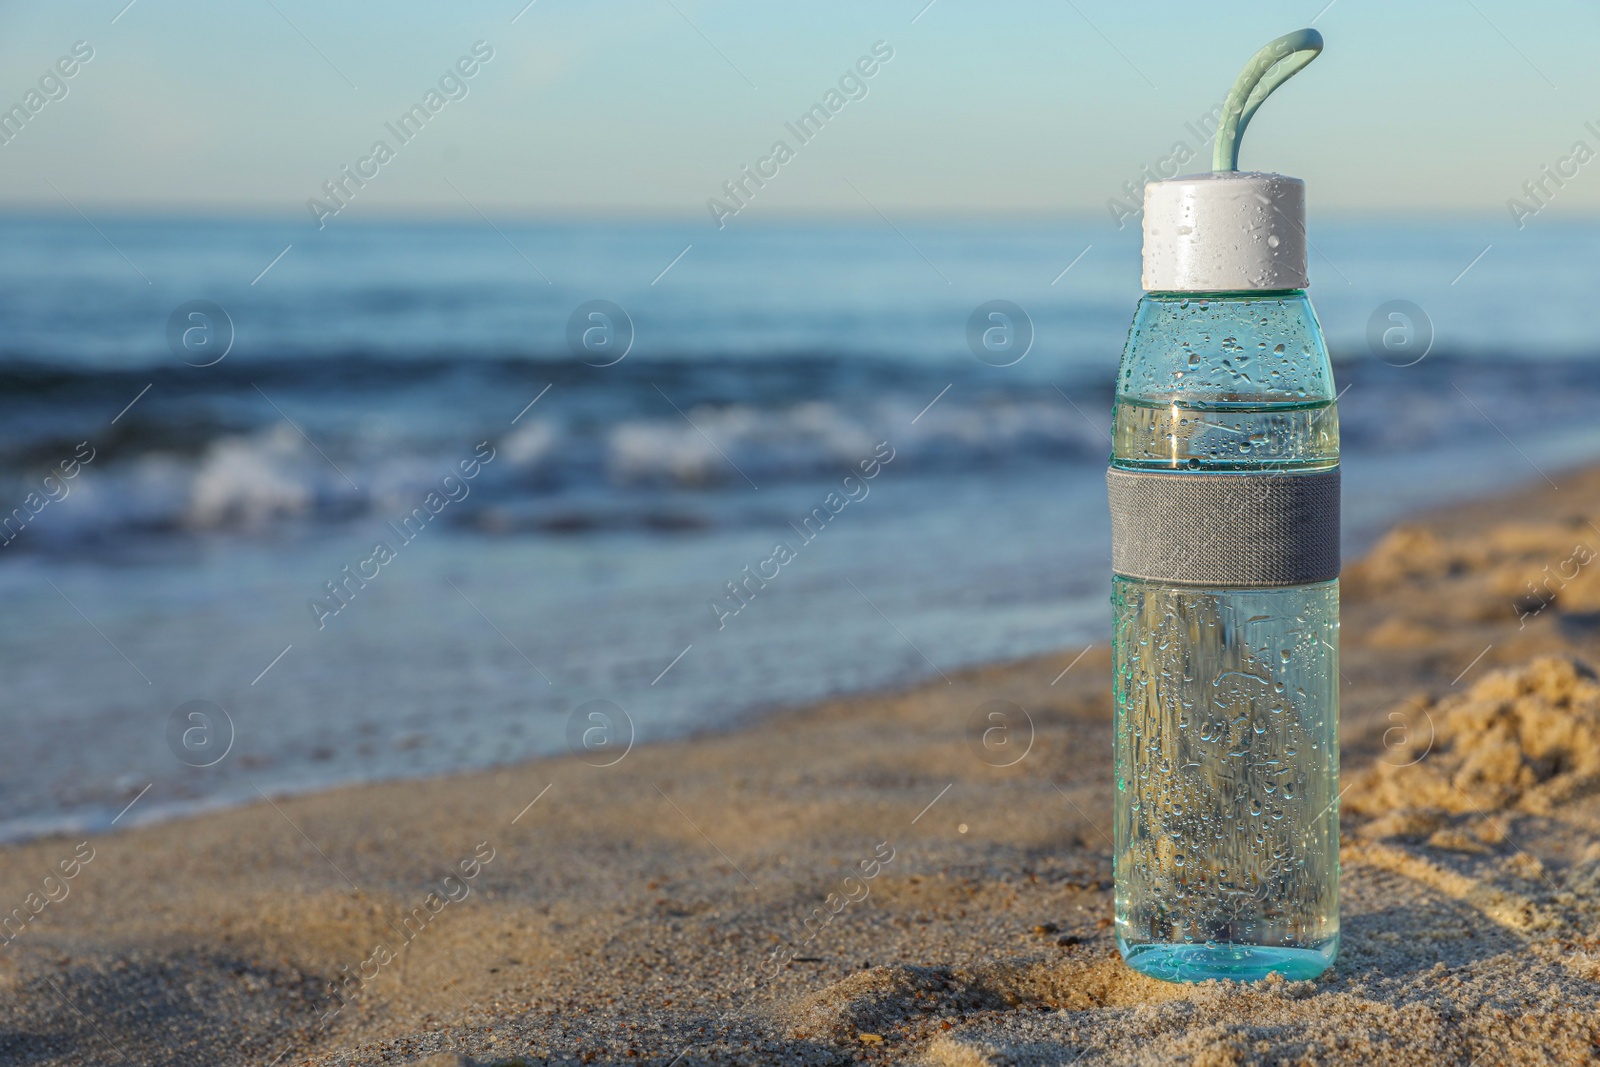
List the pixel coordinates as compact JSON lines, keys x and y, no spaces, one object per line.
{"x":1226,"y":844}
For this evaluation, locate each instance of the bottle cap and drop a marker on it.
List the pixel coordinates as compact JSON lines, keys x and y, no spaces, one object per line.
{"x":1223,"y":232}
{"x":1230,"y":230}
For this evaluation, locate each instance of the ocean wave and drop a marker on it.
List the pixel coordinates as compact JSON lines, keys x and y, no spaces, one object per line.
{"x":654,"y":448}
{"x":276,"y":475}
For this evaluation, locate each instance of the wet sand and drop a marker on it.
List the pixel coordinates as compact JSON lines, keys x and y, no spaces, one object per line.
{"x":852,"y":882}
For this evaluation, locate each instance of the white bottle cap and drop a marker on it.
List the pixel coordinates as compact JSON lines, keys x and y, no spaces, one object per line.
{"x":1225,"y":232}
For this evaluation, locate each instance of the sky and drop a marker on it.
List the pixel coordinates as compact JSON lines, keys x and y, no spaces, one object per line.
{"x":646,"y":107}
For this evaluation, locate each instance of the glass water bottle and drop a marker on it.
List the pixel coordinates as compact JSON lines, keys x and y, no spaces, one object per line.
{"x":1225,"y":494}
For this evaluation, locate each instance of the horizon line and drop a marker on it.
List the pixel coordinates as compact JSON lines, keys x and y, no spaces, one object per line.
{"x":434,"y":215}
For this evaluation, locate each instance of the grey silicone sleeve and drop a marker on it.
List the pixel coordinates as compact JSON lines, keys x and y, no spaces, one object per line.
{"x":1238,"y":530}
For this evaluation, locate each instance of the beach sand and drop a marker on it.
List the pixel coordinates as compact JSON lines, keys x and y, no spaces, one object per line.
{"x":937,"y":909}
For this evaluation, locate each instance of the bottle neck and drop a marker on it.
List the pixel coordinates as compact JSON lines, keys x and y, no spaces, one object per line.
{"x":1226,"y":294}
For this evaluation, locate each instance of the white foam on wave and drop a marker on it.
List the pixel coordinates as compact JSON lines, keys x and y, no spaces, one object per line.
{"x":816,"y":436}
{"x":531,"y":444}
{"x":250,"y":481}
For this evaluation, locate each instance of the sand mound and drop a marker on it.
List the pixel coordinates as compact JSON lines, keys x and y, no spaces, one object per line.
{"x":884,"y":1000}
{"x":1413,"y":553}
{"x":1525,"y":739}
{"x":1225,"y":1024}
{"x":898,"y":1002}
{"x":1511,"y":570}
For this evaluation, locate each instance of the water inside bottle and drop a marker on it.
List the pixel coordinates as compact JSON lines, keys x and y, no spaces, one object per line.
{"x":1227,"y":748}
{"x":1225,"y":435}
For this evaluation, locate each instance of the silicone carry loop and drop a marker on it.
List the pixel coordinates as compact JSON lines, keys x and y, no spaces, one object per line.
{"x":1274,"y":64}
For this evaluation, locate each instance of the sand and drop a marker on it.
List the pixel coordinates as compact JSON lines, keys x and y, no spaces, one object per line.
{"x":852,"y":882}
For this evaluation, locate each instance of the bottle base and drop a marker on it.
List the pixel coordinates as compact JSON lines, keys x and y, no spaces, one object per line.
{"x":1240,"y":963}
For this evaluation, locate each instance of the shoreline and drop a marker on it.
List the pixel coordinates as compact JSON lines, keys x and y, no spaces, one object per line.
{"x":806,"y":639}
{"x":708,"y":899}
{"x":102,"y":821}
{"x":105,"y":820}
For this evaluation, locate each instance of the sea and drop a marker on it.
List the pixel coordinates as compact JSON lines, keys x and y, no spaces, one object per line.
{"x":288,"y":508}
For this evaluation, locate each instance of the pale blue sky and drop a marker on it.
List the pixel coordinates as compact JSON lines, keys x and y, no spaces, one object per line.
{"x":643,"y":106}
